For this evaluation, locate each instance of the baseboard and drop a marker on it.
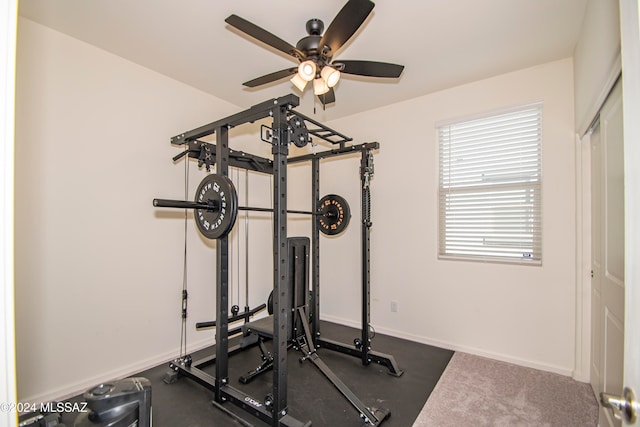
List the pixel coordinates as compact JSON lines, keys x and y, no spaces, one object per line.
{"x":74,"y":389}
{"x":581,"y":376}
{"x":456,"y":347}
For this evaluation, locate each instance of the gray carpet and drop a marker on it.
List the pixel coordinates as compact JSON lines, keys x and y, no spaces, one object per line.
{"x":475,"y":391}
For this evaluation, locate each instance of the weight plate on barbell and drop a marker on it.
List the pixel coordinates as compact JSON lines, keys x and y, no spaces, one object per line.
{"x":334,"y":214}
{"x":220,"y":193}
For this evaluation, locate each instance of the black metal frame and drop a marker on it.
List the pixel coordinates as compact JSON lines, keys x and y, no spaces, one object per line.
{"x":222,"y":156}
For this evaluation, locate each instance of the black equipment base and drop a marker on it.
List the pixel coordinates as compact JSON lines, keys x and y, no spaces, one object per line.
{"x":253,"y":405}
{"x":372,"y":356}
{"x":370,"y":416}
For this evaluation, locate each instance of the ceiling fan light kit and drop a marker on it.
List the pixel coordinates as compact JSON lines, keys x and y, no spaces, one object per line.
{"x":315,"y":52}
{"x":330,"y":75}
{"x":320,"y":87}
{"x":307,"y":70}
{"x":298,"y":82}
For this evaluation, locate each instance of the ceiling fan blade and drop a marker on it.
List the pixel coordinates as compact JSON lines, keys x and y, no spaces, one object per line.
{"x":262,"y":35}
{"x":370,"y":68}
{"x":268,"y":78}
{"x":327,"y":98}
{"x":346,"y":23}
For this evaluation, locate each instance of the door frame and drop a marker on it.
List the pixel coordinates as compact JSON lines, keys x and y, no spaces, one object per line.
{"x":582,"y":366}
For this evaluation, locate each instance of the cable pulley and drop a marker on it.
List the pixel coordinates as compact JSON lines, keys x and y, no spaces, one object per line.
{"x":298,"y":131}
{"x":216,"y":208}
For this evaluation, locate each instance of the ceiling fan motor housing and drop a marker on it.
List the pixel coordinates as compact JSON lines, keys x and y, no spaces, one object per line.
{"x":309,"y":46}
{"x":315,"y":27}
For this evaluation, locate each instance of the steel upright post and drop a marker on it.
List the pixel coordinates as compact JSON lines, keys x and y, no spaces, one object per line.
{"x":315,"y":250}
{"x":366,"y":168}
{"x":280,"y":150}
{"x":222,"y":277}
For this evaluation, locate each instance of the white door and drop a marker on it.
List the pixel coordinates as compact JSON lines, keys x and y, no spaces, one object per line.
{"x":630,"y":53}
{"x":608,"y":286}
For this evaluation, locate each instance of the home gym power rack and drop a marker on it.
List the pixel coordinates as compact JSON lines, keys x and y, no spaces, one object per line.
{"x":288,"y":126}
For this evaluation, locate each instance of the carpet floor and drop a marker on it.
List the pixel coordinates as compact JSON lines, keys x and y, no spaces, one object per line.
{"x":475,"y":391}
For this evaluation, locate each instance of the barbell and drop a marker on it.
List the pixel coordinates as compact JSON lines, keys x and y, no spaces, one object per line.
{"x":216,"y":208}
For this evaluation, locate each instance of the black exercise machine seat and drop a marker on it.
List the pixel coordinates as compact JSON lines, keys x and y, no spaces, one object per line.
{"x":262,"y":327}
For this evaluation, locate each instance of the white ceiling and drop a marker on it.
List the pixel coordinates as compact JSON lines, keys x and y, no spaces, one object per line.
{"x":442,"y":43}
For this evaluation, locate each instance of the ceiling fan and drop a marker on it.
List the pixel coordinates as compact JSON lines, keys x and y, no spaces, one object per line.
{"x":315,"y":52}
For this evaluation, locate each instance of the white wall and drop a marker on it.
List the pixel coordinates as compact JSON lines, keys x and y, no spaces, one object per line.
{"x":98,"y":269}
{"x":516,"y":313}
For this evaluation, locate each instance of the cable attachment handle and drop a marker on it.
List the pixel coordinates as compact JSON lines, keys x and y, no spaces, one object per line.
{"x":368,"y":168}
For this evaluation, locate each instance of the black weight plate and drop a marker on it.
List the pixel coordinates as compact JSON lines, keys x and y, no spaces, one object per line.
{"x":334,"y":214}
{"x":219,"y":191}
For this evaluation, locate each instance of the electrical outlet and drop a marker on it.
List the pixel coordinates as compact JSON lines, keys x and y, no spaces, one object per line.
{"x":394,"y":306}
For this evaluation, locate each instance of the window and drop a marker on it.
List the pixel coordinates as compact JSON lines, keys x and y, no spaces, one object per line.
{"x":490,"y":182}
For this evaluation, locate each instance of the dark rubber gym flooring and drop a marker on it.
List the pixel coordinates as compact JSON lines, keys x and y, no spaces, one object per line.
{"x":311,"y":396}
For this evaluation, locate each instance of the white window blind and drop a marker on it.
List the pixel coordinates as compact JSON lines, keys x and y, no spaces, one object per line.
{"x":490,"y":182}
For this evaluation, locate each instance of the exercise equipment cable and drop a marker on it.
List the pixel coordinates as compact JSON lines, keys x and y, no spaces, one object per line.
{"x":183,"y":331}
{"x":231,"y":249}
{"x":235,"y":244}
{"x":238,"y":250}
{"x":246,"y":241}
